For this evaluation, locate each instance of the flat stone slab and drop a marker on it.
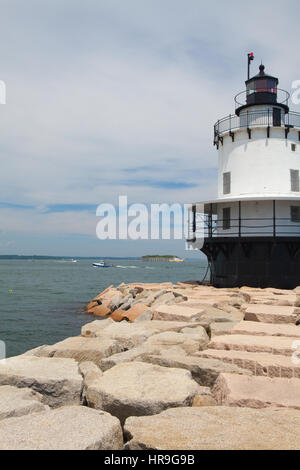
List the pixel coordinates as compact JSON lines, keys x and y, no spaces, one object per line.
{"x":212,"y":299}
{"x":222,"y":328}
{"x":81,"y":349}
{"x":102,"y":310}
{"x":178,"y":312}
{"x":130,"y":315}
{"x":149,"y":285}
{"x":224,"y":314}
{"x":204,"y":371}
{"x":271,"y":313}
{"x":130,"y":335}
{"x":19,"y":402}
{"x":202,"y":291}
{"x":215,"y":428}
{"x":256,"y":392}
{"x":189,"y":342}
{"x":251,"y":343}
{"x":204,"y":400}
{"x":155,"y":345}
{"x":266,"y":298}
{"x":135,"y":389}
{"x":68,"y":428}
{"x":262,"y":364}
{"x":57,"y":380}
{"x":278,"y":292}
{"x":126,"y":356}
{"x":265,"y":329}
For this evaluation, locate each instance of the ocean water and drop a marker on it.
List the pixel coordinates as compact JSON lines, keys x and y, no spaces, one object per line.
{"x":42,"y":302}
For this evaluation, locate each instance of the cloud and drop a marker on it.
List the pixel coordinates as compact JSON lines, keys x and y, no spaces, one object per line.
{"x":111,"y":97}
{"x":72,"y":208}
{"x":7,"y":205}
{"x":160,"y":184}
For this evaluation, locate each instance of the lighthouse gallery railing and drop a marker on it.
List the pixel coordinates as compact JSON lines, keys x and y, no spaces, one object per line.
{"x":252,"y":119}
{"x":205,"y":226}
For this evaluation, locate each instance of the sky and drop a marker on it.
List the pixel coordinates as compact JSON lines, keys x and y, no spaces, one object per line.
{"x":111,"y":97}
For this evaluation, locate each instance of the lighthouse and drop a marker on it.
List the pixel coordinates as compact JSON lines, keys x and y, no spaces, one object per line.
{"x":251,"y":232}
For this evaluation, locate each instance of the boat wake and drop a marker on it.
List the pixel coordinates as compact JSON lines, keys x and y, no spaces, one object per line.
{"x":128,"y":267}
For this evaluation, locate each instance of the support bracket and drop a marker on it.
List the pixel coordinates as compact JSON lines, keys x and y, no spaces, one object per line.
{"x":287,"y":130}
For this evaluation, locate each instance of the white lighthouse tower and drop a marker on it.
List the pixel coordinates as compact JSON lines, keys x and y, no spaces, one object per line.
{"x":252,"y":230}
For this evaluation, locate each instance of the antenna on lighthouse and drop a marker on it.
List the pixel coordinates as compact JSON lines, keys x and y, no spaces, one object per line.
{"x":250,"y":58}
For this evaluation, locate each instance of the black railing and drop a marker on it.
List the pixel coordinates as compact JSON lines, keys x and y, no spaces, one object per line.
{"x":207,"y":227}
{"x":252,"y":119}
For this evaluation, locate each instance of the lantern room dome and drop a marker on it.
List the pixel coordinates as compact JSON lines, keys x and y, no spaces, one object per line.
{"x":262,"y":75}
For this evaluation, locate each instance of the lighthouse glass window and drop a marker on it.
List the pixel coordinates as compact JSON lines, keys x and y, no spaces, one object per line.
{"x":295,"y":183}
{"x":250,"y":88}
{"x":226,"y":183}
{"x":264,"y":85}
{"x":295,"y":214}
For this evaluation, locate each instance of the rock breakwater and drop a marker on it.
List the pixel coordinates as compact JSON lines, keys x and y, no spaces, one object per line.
{"x":218,"y":367}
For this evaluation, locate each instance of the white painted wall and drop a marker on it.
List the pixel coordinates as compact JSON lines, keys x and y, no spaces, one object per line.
{"x":259,"y":165}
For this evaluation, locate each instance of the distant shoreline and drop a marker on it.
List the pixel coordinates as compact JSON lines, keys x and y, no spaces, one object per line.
{"x":37,"y":257}
{"x":45,"y":258}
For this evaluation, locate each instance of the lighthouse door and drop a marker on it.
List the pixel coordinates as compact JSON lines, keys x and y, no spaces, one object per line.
{"x":276,"y":117}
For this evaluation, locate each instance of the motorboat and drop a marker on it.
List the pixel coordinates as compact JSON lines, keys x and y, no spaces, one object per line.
{"x":102,"y":264}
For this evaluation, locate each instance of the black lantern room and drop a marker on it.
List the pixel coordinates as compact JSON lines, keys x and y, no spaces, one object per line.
{"x":262,"y":89}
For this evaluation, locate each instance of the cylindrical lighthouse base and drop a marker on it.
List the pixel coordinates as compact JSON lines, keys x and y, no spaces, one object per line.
{"x":254,"y":261}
